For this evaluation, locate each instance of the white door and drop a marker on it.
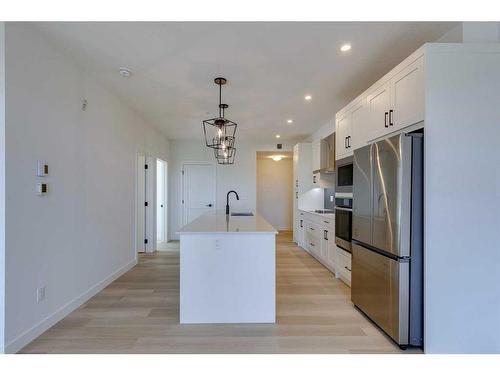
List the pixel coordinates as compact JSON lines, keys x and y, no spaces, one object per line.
{"x":408,"y":96}
{"x":198,"y":190}
{"x":358,"y":124}
{"x":141,"y":198}
{"x":343,"y":131}
{"x":161,"y":201}
{"x":379,"y":104}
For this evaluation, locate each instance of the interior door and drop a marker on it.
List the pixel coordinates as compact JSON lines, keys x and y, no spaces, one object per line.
{"x":160,"y":201}
{"x":198,"y":190}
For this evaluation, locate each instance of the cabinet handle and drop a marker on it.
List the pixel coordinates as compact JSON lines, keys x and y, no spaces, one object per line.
{"x":349,"y":141}
{"x":390,"y":117}
{"x":345,"y":142}
{"x":301,"y":224}
{"x":347,"y":268}
{"x":385,"y":122}
{"x":311,"y":228}
{"x":325,"y":235}
{"x":296,"y":195}
{"x":326,"y":222}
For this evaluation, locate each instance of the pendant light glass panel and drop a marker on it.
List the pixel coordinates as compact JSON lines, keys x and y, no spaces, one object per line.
{"x":225,"y":155}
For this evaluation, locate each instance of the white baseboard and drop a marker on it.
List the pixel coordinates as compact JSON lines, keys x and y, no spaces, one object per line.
{"x":26,"y":337}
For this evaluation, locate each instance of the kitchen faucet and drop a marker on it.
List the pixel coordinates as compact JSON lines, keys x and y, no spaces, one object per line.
{"x":227,"y":200}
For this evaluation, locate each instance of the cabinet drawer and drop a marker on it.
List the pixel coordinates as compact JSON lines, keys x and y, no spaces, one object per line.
{"x":343,"y":266}
{"x":312,"y":230}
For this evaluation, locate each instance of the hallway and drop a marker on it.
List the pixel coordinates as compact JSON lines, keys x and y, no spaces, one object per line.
{"x":138,"y":313}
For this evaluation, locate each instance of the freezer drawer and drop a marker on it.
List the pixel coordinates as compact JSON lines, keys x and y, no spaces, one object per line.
{"x":380,"y":288}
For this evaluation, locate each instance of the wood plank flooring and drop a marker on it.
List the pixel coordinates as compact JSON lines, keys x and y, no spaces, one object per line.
{"x":139,"y":313}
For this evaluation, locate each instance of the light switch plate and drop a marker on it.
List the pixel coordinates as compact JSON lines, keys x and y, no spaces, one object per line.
{"x":40,"y":294}
{"x":42,"y":188}
{"x":42,"y":169}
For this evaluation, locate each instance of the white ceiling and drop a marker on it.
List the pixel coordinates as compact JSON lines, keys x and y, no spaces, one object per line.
{"x":269,"y":67}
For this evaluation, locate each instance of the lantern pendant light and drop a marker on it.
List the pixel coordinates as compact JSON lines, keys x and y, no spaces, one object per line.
{"x":220,"y":132}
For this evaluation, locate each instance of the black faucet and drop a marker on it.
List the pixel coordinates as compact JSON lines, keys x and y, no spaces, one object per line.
{"x":227,"y":200}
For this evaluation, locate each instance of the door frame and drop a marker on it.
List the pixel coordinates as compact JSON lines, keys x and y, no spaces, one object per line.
{"x":214,"y":169}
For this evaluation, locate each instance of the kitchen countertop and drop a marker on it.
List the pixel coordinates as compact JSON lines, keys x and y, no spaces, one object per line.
{"x":329,"y":216}
{"x":218,"y":222}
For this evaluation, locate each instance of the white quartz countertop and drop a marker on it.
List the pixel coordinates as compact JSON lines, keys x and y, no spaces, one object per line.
{"x":329,"y":216}
{"x":218,"y":222}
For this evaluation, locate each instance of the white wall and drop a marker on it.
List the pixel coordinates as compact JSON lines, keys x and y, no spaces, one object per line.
{"x":241,"y":176}
{"x":2,"y":185}
{"x":82,"y":234}
{"x":462,"y":201}
{"x":275,"y":191}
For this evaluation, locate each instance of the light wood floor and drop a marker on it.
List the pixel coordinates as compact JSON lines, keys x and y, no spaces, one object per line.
{"x":139,"y":313}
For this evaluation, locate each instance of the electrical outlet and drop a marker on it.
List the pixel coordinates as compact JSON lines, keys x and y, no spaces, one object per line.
{"x":40,"y":294}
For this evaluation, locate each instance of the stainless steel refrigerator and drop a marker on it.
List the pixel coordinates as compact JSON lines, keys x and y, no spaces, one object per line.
{"x":387,"y":236}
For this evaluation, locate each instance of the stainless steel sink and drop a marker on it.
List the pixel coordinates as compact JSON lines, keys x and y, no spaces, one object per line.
{"x":241,"y":214}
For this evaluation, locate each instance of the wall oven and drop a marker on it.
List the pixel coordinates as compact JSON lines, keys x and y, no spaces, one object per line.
{"x":343,"y":203}
{"x":343,"y":220}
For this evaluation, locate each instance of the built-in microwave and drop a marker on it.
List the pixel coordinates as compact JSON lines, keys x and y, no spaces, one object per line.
{"x":343,"y":183}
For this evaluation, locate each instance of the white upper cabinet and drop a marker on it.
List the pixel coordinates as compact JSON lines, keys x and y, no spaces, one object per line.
{"x":379,"y":104}
{"x":316,"y":155}
{"x":393,"y":103}
{"x":407,"y":89}
{"x":343,"y":136}
{"x":358,"y":124}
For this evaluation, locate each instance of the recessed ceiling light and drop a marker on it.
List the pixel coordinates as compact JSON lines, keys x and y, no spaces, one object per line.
{"x":289,"y":121}
{"x":308,"y":97}
{"x":125,"y":72}
{"x":345,"y":47}
{"x":277,"y":135}
{"x":277,"y":157}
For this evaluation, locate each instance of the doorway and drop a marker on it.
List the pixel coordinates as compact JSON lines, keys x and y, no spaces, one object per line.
{"x":198,"y":190}
{"x":275,"y":188}
{"x":161,"y":204}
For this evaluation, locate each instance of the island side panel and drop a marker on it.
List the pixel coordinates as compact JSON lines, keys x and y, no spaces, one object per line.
{"x":228,"y":278}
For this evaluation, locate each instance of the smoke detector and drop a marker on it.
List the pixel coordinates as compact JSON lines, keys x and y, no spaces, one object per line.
{"x":125,"y":72}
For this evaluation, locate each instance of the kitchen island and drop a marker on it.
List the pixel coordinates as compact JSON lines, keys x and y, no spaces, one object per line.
{"x":228,"y":269}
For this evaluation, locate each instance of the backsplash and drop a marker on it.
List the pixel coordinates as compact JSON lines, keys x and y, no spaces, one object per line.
{"x":329,"y":199}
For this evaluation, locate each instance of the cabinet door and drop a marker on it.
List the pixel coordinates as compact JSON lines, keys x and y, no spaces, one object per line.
{"x":343,"y":131}
{"x":300,"y":236}
{"x":316,"y":155}
{"x":358,"y":126}
{"x":407,"y":88}
{"x":379,"y":104}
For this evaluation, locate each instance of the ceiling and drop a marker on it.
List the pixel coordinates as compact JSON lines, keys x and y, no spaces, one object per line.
{"x":270,"y":67}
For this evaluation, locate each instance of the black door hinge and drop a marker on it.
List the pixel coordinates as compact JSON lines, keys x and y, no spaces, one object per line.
{"x":146,"y":204}
{"x":145,"y":166}
{"x":145,"y":240}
